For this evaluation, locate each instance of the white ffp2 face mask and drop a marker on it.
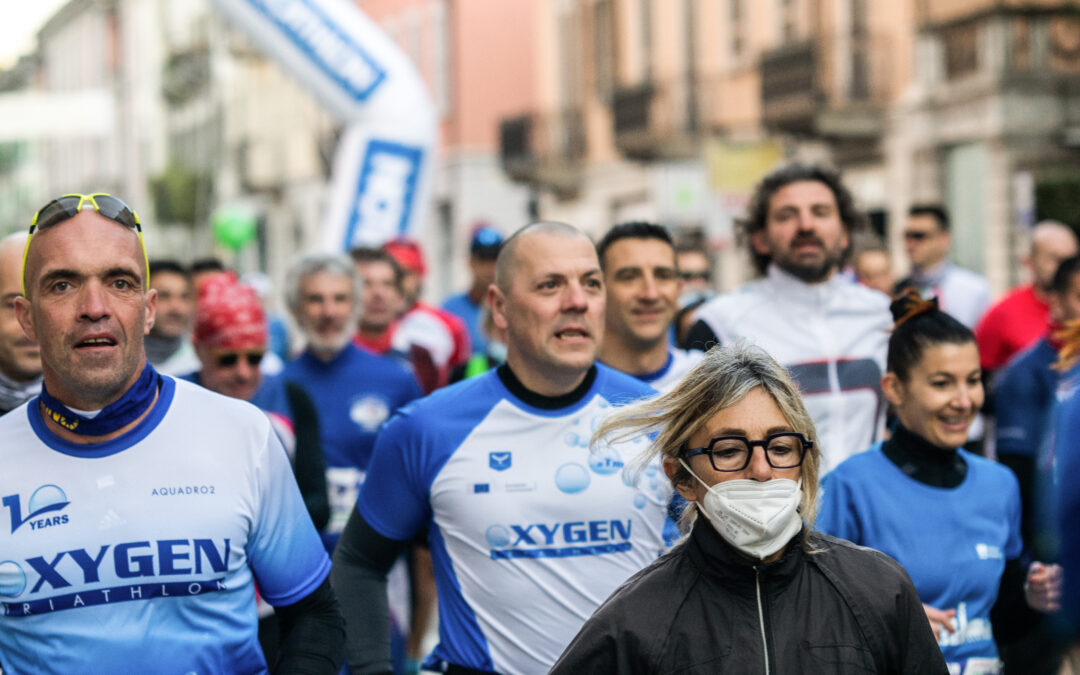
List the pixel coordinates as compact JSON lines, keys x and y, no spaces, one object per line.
{"x":756,"y":517}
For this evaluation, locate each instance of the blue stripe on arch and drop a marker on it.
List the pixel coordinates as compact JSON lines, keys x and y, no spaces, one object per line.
{"x":311,"y":47}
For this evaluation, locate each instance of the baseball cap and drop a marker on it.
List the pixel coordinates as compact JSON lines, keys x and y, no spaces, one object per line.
{"x":486,"y":242}
{"x":407,"y":254}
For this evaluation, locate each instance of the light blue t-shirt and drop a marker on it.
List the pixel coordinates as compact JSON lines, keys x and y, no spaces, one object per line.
{"x":530,"y":530}
{"x":139,"y":554}
{"x":953,"y":542}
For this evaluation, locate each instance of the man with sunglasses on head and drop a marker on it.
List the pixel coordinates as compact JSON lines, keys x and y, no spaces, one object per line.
{"x":141,"y":507}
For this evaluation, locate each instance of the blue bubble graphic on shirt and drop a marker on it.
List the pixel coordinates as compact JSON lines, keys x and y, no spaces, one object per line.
{"x":605,"y":460}
{"x":576,"y":440}
{"x":497,"y":536}
{"x":572,"y":478}
{"x":639,"y":501}
{"x":45,"y":496}
{"x":12,"y":579}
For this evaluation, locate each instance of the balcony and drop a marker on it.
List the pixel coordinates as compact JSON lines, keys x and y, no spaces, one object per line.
{"x":544,"y":149}
{"x":833,"y":88}
{"x":658,"y":119}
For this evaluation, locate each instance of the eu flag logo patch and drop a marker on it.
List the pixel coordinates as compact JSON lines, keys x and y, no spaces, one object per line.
{"x":500,"y":461}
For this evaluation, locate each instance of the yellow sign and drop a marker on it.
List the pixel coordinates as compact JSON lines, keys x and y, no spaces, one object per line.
{"x":737,"y":167}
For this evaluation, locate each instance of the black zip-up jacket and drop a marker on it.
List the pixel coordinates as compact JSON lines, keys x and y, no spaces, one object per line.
{"x":702,"y":608}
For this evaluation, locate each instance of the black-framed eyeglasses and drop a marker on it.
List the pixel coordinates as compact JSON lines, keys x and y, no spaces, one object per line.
{"x":694,"y":276}
{"x":917,"y":235}
{"x":784,"y":450}
{"x":230,"y":359}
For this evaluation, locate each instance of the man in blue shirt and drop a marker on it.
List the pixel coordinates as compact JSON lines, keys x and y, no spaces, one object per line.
{"x":530,"y":529}
{"x":354,"y":391}
{"x":469,"y":306}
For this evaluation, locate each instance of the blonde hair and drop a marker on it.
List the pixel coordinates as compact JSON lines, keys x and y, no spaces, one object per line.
{"x":722,"y":379}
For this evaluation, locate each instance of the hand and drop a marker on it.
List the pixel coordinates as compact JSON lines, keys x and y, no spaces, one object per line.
{"x":1043,"y":587}
{"x":940,"y":618}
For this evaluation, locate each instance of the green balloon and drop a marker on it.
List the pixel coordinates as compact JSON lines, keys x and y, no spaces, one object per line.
{"x":234,"y":228}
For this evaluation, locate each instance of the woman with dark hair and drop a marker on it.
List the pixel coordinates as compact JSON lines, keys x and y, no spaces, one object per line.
{"x":751,"y":588}
{"x":951,"y":518}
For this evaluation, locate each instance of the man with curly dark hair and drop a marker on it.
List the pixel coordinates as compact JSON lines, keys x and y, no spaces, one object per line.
{"x":828,"y":331}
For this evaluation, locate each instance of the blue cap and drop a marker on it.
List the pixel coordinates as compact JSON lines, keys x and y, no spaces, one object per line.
{"x":486,"y":242}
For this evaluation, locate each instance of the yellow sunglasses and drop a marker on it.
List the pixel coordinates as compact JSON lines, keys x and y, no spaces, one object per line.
{"x":68,"y":206}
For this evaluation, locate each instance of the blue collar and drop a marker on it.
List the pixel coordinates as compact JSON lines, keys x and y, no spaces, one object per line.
{"x":657,"y":374}
{"x":121,"y":412}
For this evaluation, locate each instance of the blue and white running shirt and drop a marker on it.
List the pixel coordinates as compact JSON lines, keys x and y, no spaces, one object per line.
{"x":137,"y":554}
{"x":529,"y":530}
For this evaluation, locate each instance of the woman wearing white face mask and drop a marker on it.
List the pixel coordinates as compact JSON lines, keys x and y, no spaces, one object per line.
{"x":951,"y":518}
{"x":751,"y":588}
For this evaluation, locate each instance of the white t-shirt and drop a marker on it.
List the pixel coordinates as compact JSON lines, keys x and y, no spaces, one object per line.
{"x":530,"y":530}
{"x":138,"y":554}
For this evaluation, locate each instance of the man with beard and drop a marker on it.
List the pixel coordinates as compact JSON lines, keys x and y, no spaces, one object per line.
{"x":20,"y":362}
{"x":353,"y":390}
{"x":830,"y":332}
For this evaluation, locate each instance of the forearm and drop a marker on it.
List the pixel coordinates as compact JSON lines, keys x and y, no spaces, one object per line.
{"x":312,"y":634}
{"x":361,"y":561}
{"x":309,"y":466}
{"x":1010,"y":616}
{"x":423,"y":599}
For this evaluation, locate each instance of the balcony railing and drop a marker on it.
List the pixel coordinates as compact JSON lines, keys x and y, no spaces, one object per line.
{"x":659,"y":119}
{"x":545,"y":149}
{"x":835,"y":87}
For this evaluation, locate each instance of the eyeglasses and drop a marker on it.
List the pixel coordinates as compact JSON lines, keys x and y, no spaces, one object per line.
{"x":784,"y":450}
{"x":68,"y":206}
{"x":230,"y":359}
{"x":694,"y":276}
{"x":916,"y":235}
